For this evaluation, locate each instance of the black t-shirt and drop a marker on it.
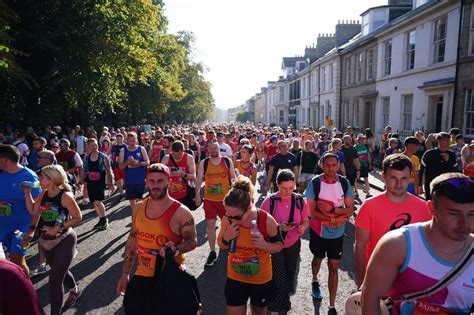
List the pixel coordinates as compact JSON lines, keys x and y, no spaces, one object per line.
{"x":435,"y":165}
{"x":323,"y":147}
{"x":308,"y":161}
{"x":350,"y":153}
{"x":280,"y":161}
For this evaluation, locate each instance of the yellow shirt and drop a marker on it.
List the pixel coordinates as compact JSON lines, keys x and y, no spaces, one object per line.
{"x":416,"y":167}
{"x":217,"y":181}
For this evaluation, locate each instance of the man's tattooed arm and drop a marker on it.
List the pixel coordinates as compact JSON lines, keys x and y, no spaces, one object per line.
{"x":130,"y":252}
{"x":188,"y":231}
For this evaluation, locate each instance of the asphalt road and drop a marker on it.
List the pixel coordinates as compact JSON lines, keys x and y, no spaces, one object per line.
{"x":98,"y":264}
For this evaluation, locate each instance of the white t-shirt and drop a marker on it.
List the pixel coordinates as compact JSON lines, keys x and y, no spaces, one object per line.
{"x":225,"y":150}
{"x":80,"y":144}
{"x":24,"y":152}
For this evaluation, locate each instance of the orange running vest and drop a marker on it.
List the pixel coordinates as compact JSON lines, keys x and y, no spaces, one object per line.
{"x":217,"y":181}
{"x":152,"y":234}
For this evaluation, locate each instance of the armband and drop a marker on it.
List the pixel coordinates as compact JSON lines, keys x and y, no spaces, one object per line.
{"x":278,"y":238}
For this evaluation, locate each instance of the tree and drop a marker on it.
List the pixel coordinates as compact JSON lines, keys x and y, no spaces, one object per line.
{"x":242,"y":116}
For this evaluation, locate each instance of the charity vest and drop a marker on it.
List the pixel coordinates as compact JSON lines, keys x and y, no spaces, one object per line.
{"x":421,"y":270}
{"x":247,"y":172}
{"x":155,"y":151}
{"x":217,"y":181}
{"x":152,"y":234}
{"x":179,"y":185}
{"x":249,"y":264}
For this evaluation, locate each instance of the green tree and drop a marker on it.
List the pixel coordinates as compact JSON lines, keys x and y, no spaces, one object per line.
{"x":242,"y":116}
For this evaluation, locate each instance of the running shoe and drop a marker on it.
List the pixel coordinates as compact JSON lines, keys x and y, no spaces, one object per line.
{"x":102,"y":225}
{"x":71,"y":299}
{"x":211,"y":259}
{"x":316,"y":290}
{"x":332,"y":311}
{"x":41,"y":269}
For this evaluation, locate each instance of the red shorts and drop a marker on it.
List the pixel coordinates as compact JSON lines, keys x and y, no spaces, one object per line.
{"x":212,"y":209}
{"x":119,"y":173}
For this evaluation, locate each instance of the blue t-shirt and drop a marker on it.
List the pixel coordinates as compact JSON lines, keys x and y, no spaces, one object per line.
{"x":12,"y":198}
{"x":33,"y":161}
{"x":333,"y":193}
{"x":134,"y":175}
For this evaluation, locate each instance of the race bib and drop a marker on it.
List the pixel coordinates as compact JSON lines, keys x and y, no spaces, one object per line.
{"x":424,"y":308}
{"x":332,"y":225}
{"x":94,"y":176}
{"x":49,"y":213}
{"x":6,"y":209}
{"x":248,"y":267}
{"x":215,"y":189}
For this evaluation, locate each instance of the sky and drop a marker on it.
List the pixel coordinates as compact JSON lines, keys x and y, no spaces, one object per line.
{"x":242,"y":43}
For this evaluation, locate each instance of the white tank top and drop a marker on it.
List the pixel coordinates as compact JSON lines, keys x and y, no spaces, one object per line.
{"x":422,"y":269}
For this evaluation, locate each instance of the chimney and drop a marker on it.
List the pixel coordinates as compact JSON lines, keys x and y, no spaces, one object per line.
{"x":346,"y":31}
{"x":324,"y":44}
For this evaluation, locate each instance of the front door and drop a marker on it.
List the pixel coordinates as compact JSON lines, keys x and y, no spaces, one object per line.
{"x":369,"y":115}
{"x":435,"y":113}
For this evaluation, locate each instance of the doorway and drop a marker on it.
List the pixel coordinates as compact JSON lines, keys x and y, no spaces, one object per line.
{"x":369,"y":113}
{"x":435,"y":113}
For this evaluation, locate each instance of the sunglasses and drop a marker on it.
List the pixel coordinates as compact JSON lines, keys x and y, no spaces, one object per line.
{"x":456,"y":182}
{"x":236,"y":217}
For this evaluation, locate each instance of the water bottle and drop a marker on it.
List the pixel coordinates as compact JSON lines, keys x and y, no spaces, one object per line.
{"x":232,"y":245}
{"x":254,"y":231}
{"x":19,"y":236}
{"x":61,"y":219}
{"x":29,"y":184}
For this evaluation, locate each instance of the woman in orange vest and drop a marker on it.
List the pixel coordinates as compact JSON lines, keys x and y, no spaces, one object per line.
{"x":244,"y":165}
{"x":250,"y":235}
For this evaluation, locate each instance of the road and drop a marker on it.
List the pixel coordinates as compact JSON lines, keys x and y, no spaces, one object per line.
{"x":98,"y":264}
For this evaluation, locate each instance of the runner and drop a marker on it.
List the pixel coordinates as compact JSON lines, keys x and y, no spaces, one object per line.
{"x":467,"y":154}
{"x":249,"y":267}
{"x":224,"y":149}
{"x":119,"y":173}
{"x":399,"y":208}
{"x":39,"y":145}
{"x":270,"y":150}
{"x":330,"y":204}
{"x":411,"y":147}
{"x":70,"y":161}
{"x":183,"y":172}
{"x":291,"y":212}
{"x":160,"y":222}
{"x":195,"y":147}
{"x":281,"y":160}
{"x":244,"y":165}
{"x":365,"y":158}
{"x":217,"y":177}
{"x":14,"y":216}
{"x":80,"y":143}
{"x":155,"y":147}
{"x":417,"y":256}
{"x":351,"y":161}
{"x":134,"y":160}
{"x":306,"y":162}
{"x":438,"y":161}
{"x":55,"y":204}
{"x":98,"y":175}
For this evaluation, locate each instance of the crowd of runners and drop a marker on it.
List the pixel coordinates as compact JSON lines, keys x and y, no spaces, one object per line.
{"x":407,"y":239}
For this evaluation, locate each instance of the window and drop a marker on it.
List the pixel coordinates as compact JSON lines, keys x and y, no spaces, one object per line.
{"x":328,"y":110}
{"x":365,"y":24}
{"x":407,"y":111}
{"x":359,"y":67}
{"x":303,"y":93}
{"x":385,"y":111}
{"x":347,"y":114}
{"x":469,"y":112}
{"x":370,"y":64}
{"x":471,"y":37}
{"x":331,"y":77}
{"x":282,"y":94}
{"x":410,"y":50}
{"x":379,"y":19}
{"x":420,"y":3}
{"x":387,"y":58}
{"x":348,"y":71}
{"x":439,"y":40}
{"x":323,"y":79}
{"x":355,"y":110}
{"x":282,"y":117}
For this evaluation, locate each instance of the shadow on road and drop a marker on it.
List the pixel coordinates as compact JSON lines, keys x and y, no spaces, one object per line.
{"x":201,"y":233}
{"x":347,"y":262}
{"x":211,"y":285}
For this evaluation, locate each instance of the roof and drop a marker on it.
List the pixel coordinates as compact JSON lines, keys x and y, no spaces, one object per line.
{"x":385,"y":6}
{"x":290,"y":62}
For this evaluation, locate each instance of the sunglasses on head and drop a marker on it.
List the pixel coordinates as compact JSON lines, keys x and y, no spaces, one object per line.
{"x":456,"y":182}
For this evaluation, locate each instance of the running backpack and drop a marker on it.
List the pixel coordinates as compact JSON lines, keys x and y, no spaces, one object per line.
{"x":297,"y":201}
{"x":227,"y":163}
{"x":317,"y":185}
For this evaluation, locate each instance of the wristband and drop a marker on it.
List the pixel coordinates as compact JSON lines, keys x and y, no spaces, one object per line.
{"x":226,"y":243}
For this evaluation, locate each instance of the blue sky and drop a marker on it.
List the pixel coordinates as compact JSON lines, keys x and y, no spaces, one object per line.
{"x":242,"y":42}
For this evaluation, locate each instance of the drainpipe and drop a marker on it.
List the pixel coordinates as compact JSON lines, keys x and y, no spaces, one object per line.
{"x":340,"y":89}
{"x":455,"y":94}
{"x":319,"y":97}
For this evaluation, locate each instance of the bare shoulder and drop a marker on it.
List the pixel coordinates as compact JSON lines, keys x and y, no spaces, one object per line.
{"x":184,"y":216}
{"x":393,"y":244}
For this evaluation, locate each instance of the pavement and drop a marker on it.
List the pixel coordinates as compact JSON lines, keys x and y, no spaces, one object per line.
{"x":98,"y":264}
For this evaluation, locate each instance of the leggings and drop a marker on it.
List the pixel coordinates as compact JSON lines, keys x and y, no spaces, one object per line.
{"x":284,"y":265}
{"x":60,"y":258}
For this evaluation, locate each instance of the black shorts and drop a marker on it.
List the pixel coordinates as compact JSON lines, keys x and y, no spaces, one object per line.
{"x":364,"y":171}
{"x":134,"y":191}
{"x":96,"y":190}
{"x":237,"y":293}
{"x":352,"y":178}
{"x":322,"y":247}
